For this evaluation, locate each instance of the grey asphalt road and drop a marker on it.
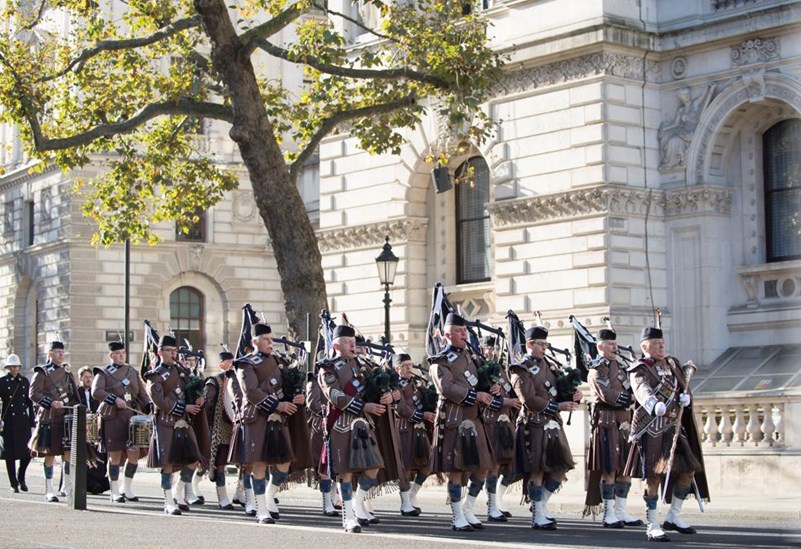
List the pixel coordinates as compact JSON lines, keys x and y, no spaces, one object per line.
{"x":29,"y":522}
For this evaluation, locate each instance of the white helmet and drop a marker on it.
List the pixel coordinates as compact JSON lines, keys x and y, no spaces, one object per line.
{"x":12,"y":360}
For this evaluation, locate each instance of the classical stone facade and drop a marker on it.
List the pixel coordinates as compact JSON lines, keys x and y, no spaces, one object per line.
{"x":627,"y":173}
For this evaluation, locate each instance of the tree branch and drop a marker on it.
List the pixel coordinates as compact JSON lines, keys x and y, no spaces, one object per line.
{"x":355,"y":22}
{"x":149,"y":112}
{"x":269,"y":28}
{"x":349,"y":72}
{"x":36,"y":20}
{"x":338,"y":118}
{"x":129,"y":43}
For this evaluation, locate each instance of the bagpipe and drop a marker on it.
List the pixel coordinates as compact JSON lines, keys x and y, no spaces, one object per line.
{"x":584,"y":345}
{"x":293,"y":373}
{"x":151,"y":347}
{"x":245,"y":345}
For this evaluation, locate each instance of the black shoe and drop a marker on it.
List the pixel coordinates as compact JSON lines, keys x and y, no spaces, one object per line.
{"x":118,"y":499}
{"x":14,"y":489}
{"x":547,"y":526}
{"x":663,"y":537}
{"x":251,"y":513}
{"x":500,"y":518}
{"x":477,"y":525}
{"x":183,"y":506}
{"x":275,"y":516}
{"x":354,"y":530}
{"x":22,"y":485}
{"x":375,"y":520}
{"x":135,"y":498}
{"x":618,"y":524}
{"x":672,"y":526}
{"x":507,"y":514}
{"x":363,"y":522}
{"x":238,"y":502}
{"x":51,"y":499}
{"x":172,"y":511}
{"x":330,"y":513}
{"x":633,"y":523}
{"x":199,"y":501}
{"x":337,"y":506}
{"x":467,"y":528}
{"x":228,"y":507}
{"x":415,"y":512}
{"x":265,"y":520}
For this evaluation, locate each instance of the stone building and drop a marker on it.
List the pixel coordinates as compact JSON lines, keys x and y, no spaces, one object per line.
{"x":647,"y":156}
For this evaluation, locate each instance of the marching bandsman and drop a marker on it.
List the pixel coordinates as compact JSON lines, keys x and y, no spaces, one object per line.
{"x":122,"y":395}
{"x":350,"y":442}
{"x":542,"y":455}
{"x":661,"y":390}
{"x":411,"y":422}
{"x":460,"y":448}
{"x":315,"y":404}
{"x":220,"y":411}
{"x":610,"y":400}
{"x":266,"y":441}
{"x":498,"y":423}
{"x":172,"y":443}
{"x":196,"y":363}
{"x":53,"y":390}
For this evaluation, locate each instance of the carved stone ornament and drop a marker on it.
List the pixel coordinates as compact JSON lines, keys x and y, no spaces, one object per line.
{"x":195,"y":256}
{"x":243,"y":205}
{"x":594,"y":64}
{"x":754,"y":82}
{"x":367,"y":236}
{"x":755,"y":50}
{"x":678,"y":68}
{"x":46,"y":199}
{"x":676,"y":135}
{"x":699,"y":199}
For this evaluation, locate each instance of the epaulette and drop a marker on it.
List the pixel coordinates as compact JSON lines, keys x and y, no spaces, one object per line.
{"x":600,"y":361}
{"x":47,"y":368}
{"x":448,"y":354}
{"x":162,"y":371}
{"x":642,"y":361}
{"x":252,"y":359}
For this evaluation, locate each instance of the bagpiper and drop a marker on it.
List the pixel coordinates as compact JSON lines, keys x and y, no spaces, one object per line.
{"x":219,"y":408}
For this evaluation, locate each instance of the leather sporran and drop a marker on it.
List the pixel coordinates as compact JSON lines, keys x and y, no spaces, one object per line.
{"x":42,"y":438}
{"x":466,"y":456}
{"x":504,"y":446}
{"x":277,"y":448}
{"x":363,"y":447}
{"x":556,"y":455}
{"x":183,"y":449}
{"x":421,"y":447}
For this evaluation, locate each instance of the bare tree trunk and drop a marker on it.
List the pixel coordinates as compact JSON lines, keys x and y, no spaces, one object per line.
{"x":279,"y":202}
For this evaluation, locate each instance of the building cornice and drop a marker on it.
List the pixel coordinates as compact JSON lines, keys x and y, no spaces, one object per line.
{"x":23,"y":175}
{"x":408,"y":229}
{"x":611,"y":199}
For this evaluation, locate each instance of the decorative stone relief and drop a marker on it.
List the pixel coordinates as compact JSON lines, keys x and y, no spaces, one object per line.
{"x":365,"y":236}
{"x":195,"y":256}
{"x":756,"y":50}
{"x":678,"y":68}
{"x":594,"y":64}
{"x":675,"y":135}
{"x":697,"y":200}
{"x":244,"y":206}
{"x":47,"y":204}
{"x":576,"y":203}
{"x":754,"y":82}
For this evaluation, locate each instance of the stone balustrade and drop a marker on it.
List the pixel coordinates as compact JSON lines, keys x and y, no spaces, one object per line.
{"x":744,"y":420}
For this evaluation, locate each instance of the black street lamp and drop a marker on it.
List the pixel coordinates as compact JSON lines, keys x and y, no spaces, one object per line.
{"x":387,"y":265}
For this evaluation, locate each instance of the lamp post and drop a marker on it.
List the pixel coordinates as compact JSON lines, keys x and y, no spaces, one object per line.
{"x":387,"y":264}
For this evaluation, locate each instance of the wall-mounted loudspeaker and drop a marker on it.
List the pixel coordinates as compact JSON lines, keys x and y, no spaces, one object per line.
{"x":441,"y":179}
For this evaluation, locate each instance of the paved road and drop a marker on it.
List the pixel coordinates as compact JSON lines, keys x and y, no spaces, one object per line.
{"x":27,"y":521}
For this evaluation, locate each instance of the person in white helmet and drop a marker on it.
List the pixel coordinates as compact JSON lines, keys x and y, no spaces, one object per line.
{"x":16,"y":423}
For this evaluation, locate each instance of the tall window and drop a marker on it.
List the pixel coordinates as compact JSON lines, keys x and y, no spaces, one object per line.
{"x":28,"y":223}
{"x":197,"y":231}
{"x":782,"y":170}
{"x":472,"y":221}
{"x":186,"y":316}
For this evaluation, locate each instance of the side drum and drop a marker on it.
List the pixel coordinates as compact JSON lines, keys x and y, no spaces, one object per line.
{"x":139,"y":429}
{"x":93,"y":428}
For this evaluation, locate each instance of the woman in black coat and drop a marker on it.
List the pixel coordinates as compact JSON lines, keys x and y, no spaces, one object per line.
{"x":17,"y":422}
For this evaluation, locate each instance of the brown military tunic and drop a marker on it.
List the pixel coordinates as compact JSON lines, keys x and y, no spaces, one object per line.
{"x":534,"y":382}
{"x":611,"y":398}
{"x":341,"y":386}
{"x":315,"y":402}
{"x":454,"y":374}
{"x":51,"y":383}
{"x":409,"y":421}
{"x":218,"y":406}
{"x":259,"y":377}
{"x":498,"y":422}
{"x":165,"y":387}
{"x":662,"y":381}
{"x":110,"y":383}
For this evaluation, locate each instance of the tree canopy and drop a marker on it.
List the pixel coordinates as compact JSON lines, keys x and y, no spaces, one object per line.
{"x":123,"y":84}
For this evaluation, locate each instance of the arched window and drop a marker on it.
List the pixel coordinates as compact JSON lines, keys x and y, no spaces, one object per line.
{"x":473,"y":240}
{"x":186,"y":316}
{"x":782,"y":173}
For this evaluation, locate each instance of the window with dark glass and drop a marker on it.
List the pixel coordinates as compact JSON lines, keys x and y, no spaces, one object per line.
{"x":472,"y":221}
{"x":782,"y":173}
{"x":28,"y":223}
{"x":186,"y":316}
{"x":196,"y":232}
